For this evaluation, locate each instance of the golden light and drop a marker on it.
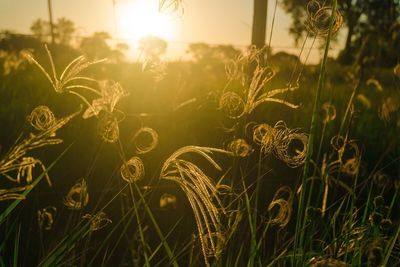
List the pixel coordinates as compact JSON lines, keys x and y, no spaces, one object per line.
{"x":139,"y":18}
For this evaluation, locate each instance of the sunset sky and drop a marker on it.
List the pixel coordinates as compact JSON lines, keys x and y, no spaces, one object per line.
{"x":210,"y":21}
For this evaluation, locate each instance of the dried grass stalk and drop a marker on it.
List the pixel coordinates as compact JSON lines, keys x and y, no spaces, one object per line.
{"x":202,"y":194}
{"x":236,"y":104}
{"x":70,"y":73}
{"x":15,"y":159}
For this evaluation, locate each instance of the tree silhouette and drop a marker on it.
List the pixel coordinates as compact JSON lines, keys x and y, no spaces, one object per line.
{"x":369,"y":22}
{"x":204,"y":53}
{"x":95,"y":46}
{"x":63,"y":30}
{"x":39,"y":29}
{"x":10,"y":41}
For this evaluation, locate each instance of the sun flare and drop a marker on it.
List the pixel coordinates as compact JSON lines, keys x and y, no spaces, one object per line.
{"x":140,"y":18}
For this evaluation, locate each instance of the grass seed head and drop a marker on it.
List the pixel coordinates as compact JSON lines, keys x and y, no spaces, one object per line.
{"x":396,"y":70}
{"x":382,"y":180}
{"x":167,"y":201}
{"x":375,"y":83}
{"x":232,"y":104}
{"x":264,"y":135}
{"x":108,"y":127}
{"x":78,"y":196}
{"x":132,"y":170}
{"x":13,"y":193}
{"x":240,"y":148}
{"x":70,"y":73}
{"x":110,"y":94}
{"x":145,"y":140}
{"x":97,"y":221}
{"x":170,"y":6}
{"x":280,"y":208}
{"x":41,"y":118}
{"x":351,"y":166}
{"x":390,"y":105}
{"x":318,"y":21}
{"x":327,"y":262}
{"x":26,"y":167}
{"x":202,"y":195}
{"x":312,"y":8}
{"x":330,"y":112}
{"x":364,"y":100}
{"x":290,"y":146}
{"x":46,"y":217}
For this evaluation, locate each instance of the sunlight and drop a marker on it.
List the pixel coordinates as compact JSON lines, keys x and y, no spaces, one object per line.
{"x":140,"y":18}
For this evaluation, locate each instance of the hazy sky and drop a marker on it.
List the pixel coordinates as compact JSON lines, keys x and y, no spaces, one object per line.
{"x":210,"y":21}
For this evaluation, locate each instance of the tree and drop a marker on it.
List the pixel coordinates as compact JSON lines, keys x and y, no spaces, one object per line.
{"x":39,"y":29}
{"x":367,"y":21}
{"x":13,"y":42}
{"x":95,"y":46}
{"x":204,"y":53}
{"x":63,"y":30}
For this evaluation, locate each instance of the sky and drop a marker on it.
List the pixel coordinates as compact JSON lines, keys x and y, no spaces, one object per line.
{"x":209,"y":21}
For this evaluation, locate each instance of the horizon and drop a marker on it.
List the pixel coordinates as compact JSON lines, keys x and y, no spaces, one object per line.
{"x":188,"y":27}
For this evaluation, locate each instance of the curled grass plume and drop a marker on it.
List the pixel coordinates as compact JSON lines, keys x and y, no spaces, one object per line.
{"x":141,"y":142}
{"x":78,"y":196}
{"x":132,"y":170}
{"x":202,"y":194}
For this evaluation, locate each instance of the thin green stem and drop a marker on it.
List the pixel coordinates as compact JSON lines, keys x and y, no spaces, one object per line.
{"x":300,"y":223}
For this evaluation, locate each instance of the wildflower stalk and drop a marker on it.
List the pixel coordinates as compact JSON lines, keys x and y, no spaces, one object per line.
{"x":300,"y":220}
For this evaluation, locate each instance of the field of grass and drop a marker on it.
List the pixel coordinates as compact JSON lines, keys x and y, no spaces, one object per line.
{"x":234,"y":161}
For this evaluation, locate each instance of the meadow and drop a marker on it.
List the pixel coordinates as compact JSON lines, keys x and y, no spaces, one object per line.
{"x":233,"y":158}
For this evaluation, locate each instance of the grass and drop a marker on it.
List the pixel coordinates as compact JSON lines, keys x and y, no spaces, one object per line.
{"x":221,"y":173}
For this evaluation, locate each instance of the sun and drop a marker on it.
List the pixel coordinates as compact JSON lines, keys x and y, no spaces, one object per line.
{"x":139,"y":18}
